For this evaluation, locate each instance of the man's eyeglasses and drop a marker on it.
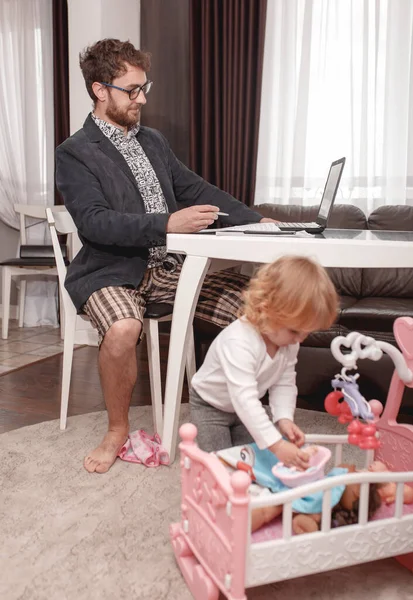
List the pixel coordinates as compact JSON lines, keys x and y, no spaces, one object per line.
{"x":133,"y":93}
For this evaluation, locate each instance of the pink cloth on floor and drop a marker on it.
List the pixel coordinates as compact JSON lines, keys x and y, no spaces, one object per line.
{"x":142,"y":448}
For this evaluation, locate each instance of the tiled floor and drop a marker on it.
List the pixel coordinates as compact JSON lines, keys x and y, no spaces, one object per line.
{"x":27,"y":345}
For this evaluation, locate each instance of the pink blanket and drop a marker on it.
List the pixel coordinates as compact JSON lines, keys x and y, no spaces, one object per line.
{"x":144,"y":449}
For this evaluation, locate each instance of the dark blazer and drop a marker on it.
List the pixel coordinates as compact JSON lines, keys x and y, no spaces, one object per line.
{"x":101,"y":194}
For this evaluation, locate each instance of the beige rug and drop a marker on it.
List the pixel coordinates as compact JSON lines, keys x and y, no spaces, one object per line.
{"x":65,"y":534}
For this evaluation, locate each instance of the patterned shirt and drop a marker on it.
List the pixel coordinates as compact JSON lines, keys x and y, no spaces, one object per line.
{"x":146,"y":179}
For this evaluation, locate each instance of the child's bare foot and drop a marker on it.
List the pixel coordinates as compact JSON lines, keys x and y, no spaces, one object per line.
{"x":102,"y":458}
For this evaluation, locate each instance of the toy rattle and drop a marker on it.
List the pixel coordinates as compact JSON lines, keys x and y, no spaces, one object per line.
{"x":346,"y":402}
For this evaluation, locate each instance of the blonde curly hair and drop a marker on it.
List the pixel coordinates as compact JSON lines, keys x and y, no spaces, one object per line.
{"x":293,"y":292}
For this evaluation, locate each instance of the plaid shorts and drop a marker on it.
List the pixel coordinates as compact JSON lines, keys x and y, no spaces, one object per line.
{"x":219,"y":301}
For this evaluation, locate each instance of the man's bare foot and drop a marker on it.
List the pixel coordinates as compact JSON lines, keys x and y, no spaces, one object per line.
{"x":102,"y":458}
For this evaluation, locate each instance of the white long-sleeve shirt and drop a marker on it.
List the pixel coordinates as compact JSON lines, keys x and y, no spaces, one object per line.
{"x":238,"y":371}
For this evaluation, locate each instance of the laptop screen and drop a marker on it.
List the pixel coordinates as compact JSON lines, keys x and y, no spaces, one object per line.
{"x":330,"y":191}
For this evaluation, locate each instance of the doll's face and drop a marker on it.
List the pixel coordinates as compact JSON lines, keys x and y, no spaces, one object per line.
{"x":350,"y":495}
{"x":377,"y":467}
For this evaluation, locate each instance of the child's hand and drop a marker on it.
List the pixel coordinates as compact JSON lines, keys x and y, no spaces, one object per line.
{"x":291,"y":431}
{"x":290,"y":455}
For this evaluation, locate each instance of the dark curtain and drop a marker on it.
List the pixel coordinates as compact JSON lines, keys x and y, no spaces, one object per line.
{"x":60,"y":76}
{"x":165,"y":34}
{"x":226,"y":57}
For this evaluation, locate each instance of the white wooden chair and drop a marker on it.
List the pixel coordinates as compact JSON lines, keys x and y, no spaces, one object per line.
{"x":60,"y":221}
{"x":36,"y":260}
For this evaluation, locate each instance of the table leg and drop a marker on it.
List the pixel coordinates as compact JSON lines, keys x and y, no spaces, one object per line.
{"x":190,"y":282}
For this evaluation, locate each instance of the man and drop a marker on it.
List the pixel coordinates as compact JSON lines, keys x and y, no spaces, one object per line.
{"x":125,"y":190}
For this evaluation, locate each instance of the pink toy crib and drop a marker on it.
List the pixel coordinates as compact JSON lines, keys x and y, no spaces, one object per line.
{"x":215,"y":549}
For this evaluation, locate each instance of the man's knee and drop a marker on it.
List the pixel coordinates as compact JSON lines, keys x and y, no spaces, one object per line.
{"x":122,"y":336}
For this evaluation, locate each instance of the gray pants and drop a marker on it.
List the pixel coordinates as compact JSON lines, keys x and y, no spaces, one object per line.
{"x":216,"y":429}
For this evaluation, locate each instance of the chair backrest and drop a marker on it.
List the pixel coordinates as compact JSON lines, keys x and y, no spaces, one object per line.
{"x":60,"y":221}
{"x":36,"y":211}
{"x":64,"y":224}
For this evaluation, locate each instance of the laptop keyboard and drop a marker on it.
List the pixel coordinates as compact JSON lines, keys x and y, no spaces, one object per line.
{"x":301,"y":225}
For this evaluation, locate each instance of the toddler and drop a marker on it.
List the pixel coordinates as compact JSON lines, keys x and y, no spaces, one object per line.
{"x":284,"y":302}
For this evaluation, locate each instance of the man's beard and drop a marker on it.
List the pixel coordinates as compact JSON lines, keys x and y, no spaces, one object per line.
{"x":122,"y":116}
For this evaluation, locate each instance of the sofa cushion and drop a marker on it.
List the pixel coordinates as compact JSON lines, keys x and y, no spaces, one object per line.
{"x":387,"y":283}
{"x":348,"y":282}
{"x":347,"y":216}
{"x":376,"y":314}
{"x":391,"y":218}
{"x":346,"y":302}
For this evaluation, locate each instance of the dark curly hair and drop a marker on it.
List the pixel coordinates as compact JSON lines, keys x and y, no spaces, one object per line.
{"x":105,"y":60}
{"x":341,"y":516}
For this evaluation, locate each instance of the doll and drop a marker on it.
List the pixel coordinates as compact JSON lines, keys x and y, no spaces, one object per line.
{"x":387,"y":491}
{"x":345,"y":511}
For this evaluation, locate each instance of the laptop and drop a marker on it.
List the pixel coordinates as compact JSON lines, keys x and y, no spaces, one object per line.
{"x":327,"y":201}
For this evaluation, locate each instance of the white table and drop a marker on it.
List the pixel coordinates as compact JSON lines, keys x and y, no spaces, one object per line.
{"x":205,"y":252}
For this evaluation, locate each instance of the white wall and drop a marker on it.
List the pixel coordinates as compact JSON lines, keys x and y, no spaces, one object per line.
{"x":90,"y":21}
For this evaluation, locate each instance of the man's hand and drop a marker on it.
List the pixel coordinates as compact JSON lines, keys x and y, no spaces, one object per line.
{"x":290,"y":430}
{"x":268,"y":220}
{"x":192,"y":219}
{"x":290,"y":455}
